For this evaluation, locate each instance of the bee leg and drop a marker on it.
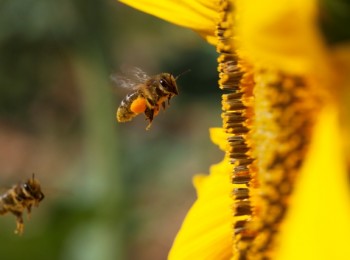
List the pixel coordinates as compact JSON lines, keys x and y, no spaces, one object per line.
{"x":29,"y":210}
{"x":150,"y":102}
{"x":19,"y":223}
{"x":149,"y":116}
{"x":149,"y":112}
{"x":164,"y":105}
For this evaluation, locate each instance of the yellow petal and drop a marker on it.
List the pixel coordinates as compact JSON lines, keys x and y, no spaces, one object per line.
{"x":206,"y":232}
{"x":198,"y":15}
{"x":282,"y":33}
{"x":219,"y":137}
{"x":318,"y":222}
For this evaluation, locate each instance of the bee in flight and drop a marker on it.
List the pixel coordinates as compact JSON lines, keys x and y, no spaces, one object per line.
{"x":20,"y":197}
{"x":148,"y":95}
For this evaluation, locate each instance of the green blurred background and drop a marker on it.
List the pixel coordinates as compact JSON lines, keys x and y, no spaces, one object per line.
{"x":113,"y":191}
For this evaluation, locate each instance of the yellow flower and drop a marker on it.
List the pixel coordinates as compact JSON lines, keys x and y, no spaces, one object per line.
{"x":197,"y":15}
{"x":215,"y":229}
{"x":281,"y":191}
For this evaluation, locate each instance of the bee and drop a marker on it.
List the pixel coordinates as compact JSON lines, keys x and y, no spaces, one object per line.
{"x":148,"y":95}
{"x":20,"y":197}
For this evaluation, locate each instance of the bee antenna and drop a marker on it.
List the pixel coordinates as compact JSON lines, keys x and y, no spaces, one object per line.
{"x":182,"y":73}
{"x":33,"y":176}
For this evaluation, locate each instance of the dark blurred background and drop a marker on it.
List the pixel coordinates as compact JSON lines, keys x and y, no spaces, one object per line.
{"x":113,"y":191}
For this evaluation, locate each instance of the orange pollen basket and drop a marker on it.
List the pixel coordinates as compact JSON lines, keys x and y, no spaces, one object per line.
{"x":138,"y":105}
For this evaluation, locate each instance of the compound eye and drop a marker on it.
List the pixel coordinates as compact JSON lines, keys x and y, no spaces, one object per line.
{"x":165,"y":84}
{"x":27,"y":187}
{"x":168,"y":86}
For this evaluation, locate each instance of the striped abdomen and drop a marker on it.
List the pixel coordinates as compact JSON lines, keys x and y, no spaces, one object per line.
{"x":132,"y":105}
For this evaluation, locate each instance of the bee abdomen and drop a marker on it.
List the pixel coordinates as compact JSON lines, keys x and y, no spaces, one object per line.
{"x":7,"y":201}
{"x":132,"y":105}
{"x":124,"y":114}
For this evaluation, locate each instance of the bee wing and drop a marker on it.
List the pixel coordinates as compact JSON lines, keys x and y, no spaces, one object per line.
{"x":138,"y":74}
{"x":131,"y":77}
{"x":124,"y":82}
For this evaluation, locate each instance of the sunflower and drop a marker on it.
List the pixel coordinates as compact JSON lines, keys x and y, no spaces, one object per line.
{"x":281,"y":191}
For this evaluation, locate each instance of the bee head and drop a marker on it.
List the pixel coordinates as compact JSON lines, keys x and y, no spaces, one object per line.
{"x":167,"y":84}
{"x":32,"y":186}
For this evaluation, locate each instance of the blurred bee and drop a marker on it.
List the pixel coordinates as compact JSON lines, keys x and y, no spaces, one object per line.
{"x":20,"y":197}
{"x":148,"y":95}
